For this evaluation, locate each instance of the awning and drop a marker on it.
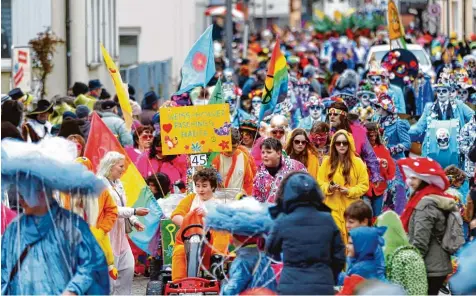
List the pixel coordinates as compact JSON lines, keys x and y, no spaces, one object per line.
{"x":221,"y":11}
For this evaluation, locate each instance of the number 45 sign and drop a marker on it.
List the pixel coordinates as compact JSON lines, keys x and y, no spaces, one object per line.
{"x":198,"y":160}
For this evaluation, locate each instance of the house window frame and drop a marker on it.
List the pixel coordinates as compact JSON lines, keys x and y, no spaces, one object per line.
{"x":131,"y":31}
{"x":101,"y":28}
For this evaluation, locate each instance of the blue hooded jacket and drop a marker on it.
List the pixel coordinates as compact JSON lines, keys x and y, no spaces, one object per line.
{"x":366,"y":240}
{"x":251,"y":269}
{"x":307,"y":236}
{"x":64,"y":256}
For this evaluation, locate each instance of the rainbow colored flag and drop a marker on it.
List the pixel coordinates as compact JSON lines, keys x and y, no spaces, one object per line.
{"x":100,"y":141}
{"x":276,"y":83}
{"x":121,"y":89}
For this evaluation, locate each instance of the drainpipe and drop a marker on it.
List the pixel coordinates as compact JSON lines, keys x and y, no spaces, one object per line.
{"x":68,"y":44}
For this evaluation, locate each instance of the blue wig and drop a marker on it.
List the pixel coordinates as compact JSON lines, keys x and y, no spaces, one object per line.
{"x":244,"y":217}
{"x":46,"y":166}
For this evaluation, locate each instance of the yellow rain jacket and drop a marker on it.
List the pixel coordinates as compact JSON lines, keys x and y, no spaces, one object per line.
{"x":312,"y":164}
{"x":359,"y":184}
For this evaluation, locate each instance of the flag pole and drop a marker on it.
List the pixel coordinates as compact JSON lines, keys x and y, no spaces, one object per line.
{"x":229,"y":32}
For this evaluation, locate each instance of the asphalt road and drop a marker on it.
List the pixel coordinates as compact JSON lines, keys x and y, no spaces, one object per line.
{"x":139,"y":285}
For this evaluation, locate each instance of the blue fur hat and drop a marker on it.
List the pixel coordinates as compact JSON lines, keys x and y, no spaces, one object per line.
{"x":46,"y":166}
{"x":244,"y":217}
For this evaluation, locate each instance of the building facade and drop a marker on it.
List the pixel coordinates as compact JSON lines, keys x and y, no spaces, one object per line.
{"x":91,"y":22}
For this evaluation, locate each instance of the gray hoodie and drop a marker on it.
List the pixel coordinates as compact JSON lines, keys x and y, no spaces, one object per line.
{"x":426,"y":227}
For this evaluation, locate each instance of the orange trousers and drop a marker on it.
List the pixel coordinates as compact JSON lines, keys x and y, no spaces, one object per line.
{"x":221,"y":240}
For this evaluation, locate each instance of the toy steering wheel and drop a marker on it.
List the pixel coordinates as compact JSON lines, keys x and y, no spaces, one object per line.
{"x":188,"y":227}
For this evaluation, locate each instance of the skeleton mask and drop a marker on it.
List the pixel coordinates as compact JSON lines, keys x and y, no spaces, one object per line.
{"x":443,"y":138}
{"x":228,"y":74}
{"x":463,"y":94}
{"x":376,"y":80}
{"x":231,"y":100}
{"x":442,"y":94}
{"x":256,"y":105}
{"x":315,"y":111}
{"x":365,"y":98}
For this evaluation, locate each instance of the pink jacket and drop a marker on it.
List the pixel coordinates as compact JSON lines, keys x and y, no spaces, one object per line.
{"x":133,"y":154}
{"x":256,"y":151}
{"x":175,"y":169}
{"x":360,"y":136}
{"x":7,"y":217}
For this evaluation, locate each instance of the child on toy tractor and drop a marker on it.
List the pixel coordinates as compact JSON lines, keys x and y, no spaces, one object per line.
{"x":205,"y":182}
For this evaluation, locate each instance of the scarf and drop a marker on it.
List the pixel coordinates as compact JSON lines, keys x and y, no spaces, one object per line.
{"x":415,"y":199}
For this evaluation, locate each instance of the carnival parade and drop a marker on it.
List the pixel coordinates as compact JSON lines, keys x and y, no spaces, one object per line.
{"x":331,"y":155}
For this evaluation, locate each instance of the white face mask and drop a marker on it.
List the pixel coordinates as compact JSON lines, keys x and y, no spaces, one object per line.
{"x":442,"y":94}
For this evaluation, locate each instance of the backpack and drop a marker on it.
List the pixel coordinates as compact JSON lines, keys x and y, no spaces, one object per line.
{"x":453,"y":238}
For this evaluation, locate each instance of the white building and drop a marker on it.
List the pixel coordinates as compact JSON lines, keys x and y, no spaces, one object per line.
{"x":154,"y":30}
{"x":139,"y":31}
{"x":461,"y":16}
{"x":91,"y":22}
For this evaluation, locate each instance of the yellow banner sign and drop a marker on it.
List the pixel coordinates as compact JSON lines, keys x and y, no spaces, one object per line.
{"x":195,"y":129}
{"x":395,"y":30}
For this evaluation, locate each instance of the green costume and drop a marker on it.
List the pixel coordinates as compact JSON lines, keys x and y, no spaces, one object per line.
{"x":405,"y":266}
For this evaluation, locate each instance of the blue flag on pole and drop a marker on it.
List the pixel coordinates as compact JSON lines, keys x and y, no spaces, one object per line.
{"x":199,"y":66}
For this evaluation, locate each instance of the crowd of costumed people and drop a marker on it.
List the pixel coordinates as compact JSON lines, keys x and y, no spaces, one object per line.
{"x":355,"y":179}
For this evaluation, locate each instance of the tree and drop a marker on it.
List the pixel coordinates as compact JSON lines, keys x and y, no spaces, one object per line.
{"x":44,"y":47}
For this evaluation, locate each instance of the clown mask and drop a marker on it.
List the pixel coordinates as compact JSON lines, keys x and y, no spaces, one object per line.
{"x":443,"y":138}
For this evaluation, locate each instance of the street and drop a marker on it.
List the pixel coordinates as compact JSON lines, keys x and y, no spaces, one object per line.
{"x":139,"y":285}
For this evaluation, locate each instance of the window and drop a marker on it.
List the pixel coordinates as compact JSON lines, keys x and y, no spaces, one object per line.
{"x":128,"y":50}
{"x":100,"y":28}
{"x":6,"y":29}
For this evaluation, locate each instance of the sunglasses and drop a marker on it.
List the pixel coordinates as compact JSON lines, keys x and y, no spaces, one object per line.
{"x":315,"y":107}
{"x":256,"y":101}
{"x":297,"y":142}
{"x":335,"y":112}
{"x":146,"y":136}
{"x":377,"y":107}
{"x":277,"y":131}
{"x":342,"y":143}
{"x":442,"y":91}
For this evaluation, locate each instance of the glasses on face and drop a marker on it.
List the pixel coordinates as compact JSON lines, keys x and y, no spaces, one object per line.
{"x":442,"y":91}
{"x":336,"y":112}
{"x":342,"y":143}
{"x":377,"y":107}
{"x":315,"y":107}
{"x":146,"y":136}
{"x":256,"y":101}
{"x":298,"y":142}
{"x":277,"y":132}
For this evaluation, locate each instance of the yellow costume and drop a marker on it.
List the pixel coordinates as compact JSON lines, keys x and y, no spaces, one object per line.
{"x":101,"y":214}
{"x":220,"y":239}
{"x":359,"y":184}
{"x":312,"y":164}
